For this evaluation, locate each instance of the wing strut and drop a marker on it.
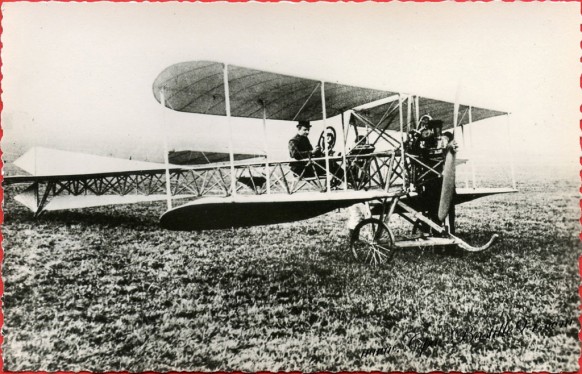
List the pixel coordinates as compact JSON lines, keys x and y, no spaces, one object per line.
{"x":267,"y":169}
{"x":402,"y":155}
{"x":509,"y":144}
{"x":230,"y":150}
{"x":471,"y":157}
{"x":166,"y":156}
{"x":344,"y":163}
{"x":465,"y":147}
{"x":408,"y":113}
{"x":324,"y":114}
{"x":416,"y":112}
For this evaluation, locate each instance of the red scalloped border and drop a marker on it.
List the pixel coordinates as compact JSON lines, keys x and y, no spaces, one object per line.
{"x":240,"y":372}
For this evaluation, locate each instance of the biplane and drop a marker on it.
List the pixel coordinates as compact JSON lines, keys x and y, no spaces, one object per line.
{"x":231,"y":190}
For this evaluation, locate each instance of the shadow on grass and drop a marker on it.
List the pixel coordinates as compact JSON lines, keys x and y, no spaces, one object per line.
{"x":135,"y":217}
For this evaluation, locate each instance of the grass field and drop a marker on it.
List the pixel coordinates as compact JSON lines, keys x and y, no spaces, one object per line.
{"x":107,"y":289}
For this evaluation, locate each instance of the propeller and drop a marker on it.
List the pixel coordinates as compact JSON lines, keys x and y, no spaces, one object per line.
{"x":448,"y":185}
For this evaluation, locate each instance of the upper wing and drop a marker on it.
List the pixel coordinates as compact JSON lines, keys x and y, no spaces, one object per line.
{"x":437,"y":109}
{"x":198,"y":87}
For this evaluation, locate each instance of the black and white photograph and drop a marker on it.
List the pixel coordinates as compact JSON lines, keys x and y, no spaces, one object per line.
{"x":290,"y":186}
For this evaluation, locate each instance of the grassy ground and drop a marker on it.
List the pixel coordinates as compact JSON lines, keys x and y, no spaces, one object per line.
{"x":106,"y":289}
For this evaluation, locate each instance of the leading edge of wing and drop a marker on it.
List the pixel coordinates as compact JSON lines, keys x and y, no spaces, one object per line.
{"x":212,"y":213}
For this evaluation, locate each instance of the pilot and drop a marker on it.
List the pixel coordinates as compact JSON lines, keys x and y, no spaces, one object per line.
{"x":300,"y":148}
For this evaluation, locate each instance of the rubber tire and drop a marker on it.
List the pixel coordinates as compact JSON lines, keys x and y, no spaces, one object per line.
{"x":369,"y":249}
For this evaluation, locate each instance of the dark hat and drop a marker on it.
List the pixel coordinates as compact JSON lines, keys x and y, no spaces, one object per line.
{"x":304,"y":124}
{"x":435,"y":123}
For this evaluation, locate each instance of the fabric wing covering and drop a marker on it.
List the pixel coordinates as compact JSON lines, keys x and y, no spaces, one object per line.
{"x":437,"y":109}
{"x":188,"y":157}
{"x":198,"y":87}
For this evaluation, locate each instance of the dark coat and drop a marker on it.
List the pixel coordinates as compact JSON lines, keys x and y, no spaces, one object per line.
{"x":299,"y":147}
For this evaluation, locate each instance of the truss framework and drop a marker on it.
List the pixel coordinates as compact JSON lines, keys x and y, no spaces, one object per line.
{"x":376,"y":171}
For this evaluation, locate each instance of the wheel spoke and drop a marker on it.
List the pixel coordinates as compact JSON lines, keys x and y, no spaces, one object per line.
{"x":374,"y":259}
{"x":381,"y":254}
{"x":371,"y":250}
{"x":373,"y":242}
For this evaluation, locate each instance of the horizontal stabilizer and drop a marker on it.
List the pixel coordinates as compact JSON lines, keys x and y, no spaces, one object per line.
{"x":40,"y":161}
{"x":29,"y":197}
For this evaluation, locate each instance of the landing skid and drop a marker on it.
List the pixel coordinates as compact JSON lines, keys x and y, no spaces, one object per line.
{"x":446,"y":237}
{"x":373,"y":241}
{"x":437,"y":241}
{"x":467,"y":247}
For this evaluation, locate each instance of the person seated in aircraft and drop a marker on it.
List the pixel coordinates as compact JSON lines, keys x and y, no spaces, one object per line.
{"x":335,"y":168}
{"x":433,"y":146}
{"x":358,"y":169}
{"x":423,"y":121}
{"x":412,"y":143}
{"x":300,"y":148}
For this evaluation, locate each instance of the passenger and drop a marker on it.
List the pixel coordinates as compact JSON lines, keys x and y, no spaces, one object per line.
{"x":335,"y":168}
{"x":330,"y":142}
{"x":359,"y":164}
{"x":414,"y":136}
{"x":423,"y":122}
{"x":432,"y":142}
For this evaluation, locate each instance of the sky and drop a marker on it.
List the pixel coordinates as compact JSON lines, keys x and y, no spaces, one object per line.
{"x":78,"y":76}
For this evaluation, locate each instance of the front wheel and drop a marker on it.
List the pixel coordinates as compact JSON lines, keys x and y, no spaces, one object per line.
{"x":372,"y":242}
